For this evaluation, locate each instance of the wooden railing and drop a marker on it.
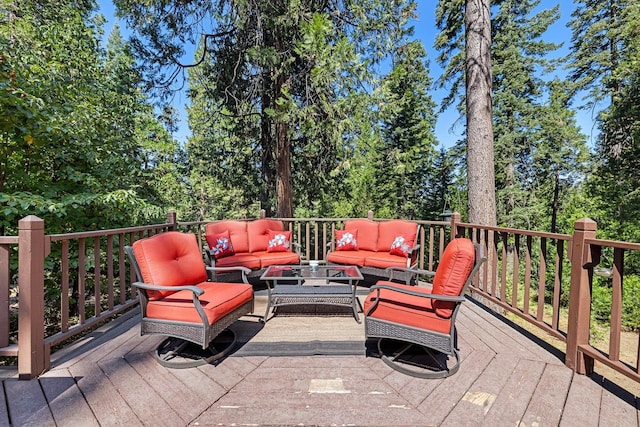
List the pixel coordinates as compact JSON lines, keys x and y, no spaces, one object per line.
{"x":544,"y":278}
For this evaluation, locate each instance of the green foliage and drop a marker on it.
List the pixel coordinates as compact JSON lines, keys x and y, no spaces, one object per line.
{"x":601,"y":302}
{"x":75,"y":130}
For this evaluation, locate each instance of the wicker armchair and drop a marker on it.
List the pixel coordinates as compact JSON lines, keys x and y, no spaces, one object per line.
{"x":178,"y":301}
{"x":404,"y":318}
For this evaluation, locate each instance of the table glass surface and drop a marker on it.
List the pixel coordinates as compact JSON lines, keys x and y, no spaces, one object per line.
{"x":283,"y":272}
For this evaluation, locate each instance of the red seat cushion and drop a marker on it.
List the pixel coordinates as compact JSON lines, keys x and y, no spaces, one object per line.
{"x":240,"y":260}
{"x":348,"y":257}
{"x":277,"y":258}
{"x":407,"y":309}
{"x":218,"y":300}
{"x":169,"y":259}
{"x":384,"y":260}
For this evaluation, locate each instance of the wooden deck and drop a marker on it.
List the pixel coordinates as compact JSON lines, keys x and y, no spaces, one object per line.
{"x":506,"y":379}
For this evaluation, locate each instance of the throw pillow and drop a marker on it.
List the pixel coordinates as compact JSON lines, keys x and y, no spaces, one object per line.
{"x":220,"y":244}
{"x":401,"y":246}
{"x":346,"y":240}
{"x":279,"y":241}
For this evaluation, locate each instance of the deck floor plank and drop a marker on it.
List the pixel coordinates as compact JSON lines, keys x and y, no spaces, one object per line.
{"x":479,"y":399}
{"x":108,"y":406}
{"x":68,"y":406}
{"x":147,"y":404}
{"x":547,"y":402}
{"x":512,"y":401}
{"x":615,"y":411}
{"x":27,"y":404}
{"x":583,"y":402}
{"x":4,"y":412}
{"x":451,"y":390}
{"x":505,"y":378}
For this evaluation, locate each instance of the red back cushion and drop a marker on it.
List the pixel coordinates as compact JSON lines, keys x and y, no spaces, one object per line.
{"x":452,"y":273}
{"x":170,"y":259}
{"x":367,"y":231}
{"x":258,"y":232}
{"x":237,"y":233}
{"x":389,"y":230}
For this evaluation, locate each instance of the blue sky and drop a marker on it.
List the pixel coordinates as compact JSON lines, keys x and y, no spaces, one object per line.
{"x":447,"y":130}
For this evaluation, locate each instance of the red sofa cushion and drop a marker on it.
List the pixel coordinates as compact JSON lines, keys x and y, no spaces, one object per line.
{"x":348,"y":257}
{"x":276,"y":258}
{"x":367,"y":233}
{"x":384,"y":260}
{"x":258,"y":232}
{"x":218,"y":300}
{"x":245,"y":259}
{"x":407,"y":309}
{"x":389,"y":230}
{"x":237,"y":233}
{"x":169,"y":259}
{"x":453,"y":270}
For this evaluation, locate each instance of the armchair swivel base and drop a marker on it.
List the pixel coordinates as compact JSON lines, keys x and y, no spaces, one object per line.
{"x":177,"y":353}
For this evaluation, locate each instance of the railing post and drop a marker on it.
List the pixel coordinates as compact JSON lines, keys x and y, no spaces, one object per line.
{"x":172,"y":218}
{"x":455,"y":219}
{"x":370,"y":215}
{"x":578,"y":328}
{"x":263,"y":214}
{"x":32,"y":249}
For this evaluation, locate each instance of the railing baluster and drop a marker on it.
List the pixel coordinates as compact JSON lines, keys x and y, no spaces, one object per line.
{"x":516,"y":271}
{"x":542,"y":278}
{"x":527,"y":274}
{"x":110,"y":289}
{"x":5,"y":286}
{"x":64,"y":286}
{"x":616,"y":305}
{"x":97,"y":295}
{"x":82,"y":278}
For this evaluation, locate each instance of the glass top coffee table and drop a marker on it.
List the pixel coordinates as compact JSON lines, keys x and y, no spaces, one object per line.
{"x":304,"y":284}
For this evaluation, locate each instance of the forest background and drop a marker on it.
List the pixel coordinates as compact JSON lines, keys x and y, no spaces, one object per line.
{"x":87,"y":128}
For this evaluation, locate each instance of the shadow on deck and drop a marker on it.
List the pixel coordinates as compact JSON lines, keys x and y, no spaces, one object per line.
{"x":507,"y":377}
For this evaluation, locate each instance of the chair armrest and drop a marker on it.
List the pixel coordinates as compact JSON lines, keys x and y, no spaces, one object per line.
{"x":243,"y":270}
{"x":147,"y":286}
{"x":297,"y":247}
{"x":452,"y":298}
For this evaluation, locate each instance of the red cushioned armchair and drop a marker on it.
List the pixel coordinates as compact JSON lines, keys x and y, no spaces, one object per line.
{"x":404,"y":317}
{"x":178,"y":300}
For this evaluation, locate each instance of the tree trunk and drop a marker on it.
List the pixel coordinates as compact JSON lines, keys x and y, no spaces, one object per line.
{"x":480,"y":164}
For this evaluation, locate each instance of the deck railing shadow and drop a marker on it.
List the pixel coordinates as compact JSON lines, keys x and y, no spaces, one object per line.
{"x":543,"y":278}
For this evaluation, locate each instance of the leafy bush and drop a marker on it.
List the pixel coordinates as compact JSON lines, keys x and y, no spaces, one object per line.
{"x":601,"y":302}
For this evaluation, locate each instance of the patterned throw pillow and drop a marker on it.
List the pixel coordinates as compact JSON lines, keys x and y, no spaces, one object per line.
{"x":346,"y":240}
{"x":220,"y":244}
{"x":401,"y":246}
{"x":279,"y":241}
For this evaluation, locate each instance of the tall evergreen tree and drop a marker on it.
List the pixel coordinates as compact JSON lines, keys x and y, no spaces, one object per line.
{"x":465,"y":45}
{"x":281,"y":65}
{"x":408,"y":122}
{"x":519,"y":58}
